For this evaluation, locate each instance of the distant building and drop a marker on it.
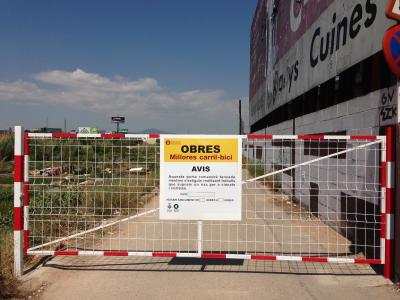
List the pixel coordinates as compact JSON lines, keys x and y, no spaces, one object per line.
{"x":45,"y":130}
{"x":6,"y":131}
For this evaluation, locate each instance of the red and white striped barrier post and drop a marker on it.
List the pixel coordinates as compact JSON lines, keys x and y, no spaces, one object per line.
{"x":389,"y":207}
{"x":18,"y":194}
{"x":26,"y":192}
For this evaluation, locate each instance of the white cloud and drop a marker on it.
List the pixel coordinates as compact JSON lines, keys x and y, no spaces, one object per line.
{"x":95,"y":93}
{"x":83,"y":80}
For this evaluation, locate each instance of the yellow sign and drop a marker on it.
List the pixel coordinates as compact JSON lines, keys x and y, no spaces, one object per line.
{"x":201,"y":150}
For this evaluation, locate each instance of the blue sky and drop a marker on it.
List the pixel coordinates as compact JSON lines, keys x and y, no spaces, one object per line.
{"x":175,"y":65}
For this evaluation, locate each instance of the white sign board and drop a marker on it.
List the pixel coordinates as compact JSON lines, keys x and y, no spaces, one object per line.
{"x":200,"y":178}
{"x":88,"y":130}
{"x":85,"y":130}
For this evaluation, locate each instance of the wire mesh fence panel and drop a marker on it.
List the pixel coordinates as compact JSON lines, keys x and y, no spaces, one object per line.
{"x":317,"y":199}
{"x":90,"y":187}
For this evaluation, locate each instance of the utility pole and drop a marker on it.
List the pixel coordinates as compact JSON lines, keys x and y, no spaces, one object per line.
{"x":240,"y":118}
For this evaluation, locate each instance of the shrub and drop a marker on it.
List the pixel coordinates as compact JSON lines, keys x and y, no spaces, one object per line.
{"x":8,"y":283}
{"x":257,"y":168}
{"x":6,"y":208}
{"x":6,"y":147}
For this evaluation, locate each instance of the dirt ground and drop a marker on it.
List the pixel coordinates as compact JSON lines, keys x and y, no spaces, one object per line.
{"x":162,"y":278}
{"x":191,"y":278}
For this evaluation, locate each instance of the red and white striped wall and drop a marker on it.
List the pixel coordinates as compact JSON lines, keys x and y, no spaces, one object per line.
{"x":212,"y":256}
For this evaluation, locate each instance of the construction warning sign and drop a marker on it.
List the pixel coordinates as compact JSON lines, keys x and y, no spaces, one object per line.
{"x":200,"y":178}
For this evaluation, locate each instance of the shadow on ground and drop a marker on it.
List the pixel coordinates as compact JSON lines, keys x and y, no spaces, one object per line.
{"x":152,"y":264}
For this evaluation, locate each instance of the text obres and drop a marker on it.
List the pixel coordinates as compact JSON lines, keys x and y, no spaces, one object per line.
{"x":201,"y":150}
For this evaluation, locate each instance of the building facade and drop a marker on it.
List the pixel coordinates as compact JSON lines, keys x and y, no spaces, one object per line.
{"x":320,"y":62}
{"x":317,"y":67}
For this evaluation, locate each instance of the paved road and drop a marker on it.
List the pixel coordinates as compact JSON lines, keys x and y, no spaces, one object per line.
{"x":179,"y":278}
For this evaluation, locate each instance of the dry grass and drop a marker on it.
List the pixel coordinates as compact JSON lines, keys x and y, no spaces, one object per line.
{"x":8,"y":283}
{"x":6,"y":147}
{"x":257,"y":168}
{"x":65,"y":210}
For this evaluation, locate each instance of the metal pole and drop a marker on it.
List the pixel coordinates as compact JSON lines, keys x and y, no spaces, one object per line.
{"x":396,"y":209}
{"x":25,"y":202}
{"x":390,"y":193}
{"x":18,"y":206}
{"x":200,"y":237}
{"x":240,"y":118}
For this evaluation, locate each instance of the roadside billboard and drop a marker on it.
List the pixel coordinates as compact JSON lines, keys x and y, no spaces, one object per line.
{"x":88,"y":130}
{"x":118,"y":119}
{"x":312,"y":42}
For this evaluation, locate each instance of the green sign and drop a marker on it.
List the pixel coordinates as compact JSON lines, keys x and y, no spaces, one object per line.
{"x":123,"y":130}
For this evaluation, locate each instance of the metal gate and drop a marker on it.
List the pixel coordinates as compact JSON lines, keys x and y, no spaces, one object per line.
{"x":304,"y":198}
